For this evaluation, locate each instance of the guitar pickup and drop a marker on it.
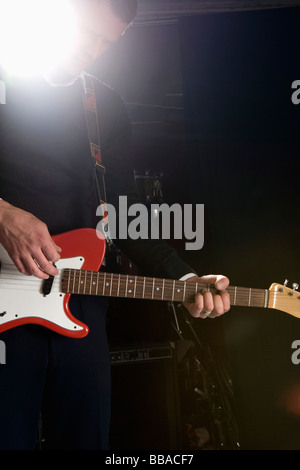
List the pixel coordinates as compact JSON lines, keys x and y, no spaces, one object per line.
{"x":47,"y":286}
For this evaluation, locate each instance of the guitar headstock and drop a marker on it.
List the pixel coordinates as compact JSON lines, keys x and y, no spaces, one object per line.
{"x":285,"y":299}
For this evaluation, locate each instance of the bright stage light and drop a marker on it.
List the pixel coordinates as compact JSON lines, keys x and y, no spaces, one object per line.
{"x":35,"y":35}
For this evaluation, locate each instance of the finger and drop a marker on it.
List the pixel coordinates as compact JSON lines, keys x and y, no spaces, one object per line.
{"x":202,"y":306}
{"x":208,"y":305}
{"x":221,"y":282}
{"x":27,"y":266}
{"x":225,"y":300}
{"x":213,"y":305}
{"x":32,"y":269}
{"x":218,"y":307}
{"x":51,"y":253}
{"x":48,"y":268}
{"x":208,"y":302}
{"x":195,"y":308}
{"x":45,"y":263}
{"x":58,"y":248}
{"x":21,"y":266}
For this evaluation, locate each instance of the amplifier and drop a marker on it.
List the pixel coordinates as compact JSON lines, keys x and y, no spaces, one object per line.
{"x":140,"y":353}
{"x":145,"y":402}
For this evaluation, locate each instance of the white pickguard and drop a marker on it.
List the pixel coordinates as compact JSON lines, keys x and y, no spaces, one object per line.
{"x":21,"y":296}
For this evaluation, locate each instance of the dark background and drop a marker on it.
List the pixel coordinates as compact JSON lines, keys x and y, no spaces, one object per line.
{"x":209,"y":98}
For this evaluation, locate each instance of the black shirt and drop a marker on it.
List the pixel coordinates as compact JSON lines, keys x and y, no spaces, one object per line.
{"x":46,"y":167}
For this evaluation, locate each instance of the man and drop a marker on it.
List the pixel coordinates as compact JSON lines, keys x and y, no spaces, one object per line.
{"x":47,"y":188}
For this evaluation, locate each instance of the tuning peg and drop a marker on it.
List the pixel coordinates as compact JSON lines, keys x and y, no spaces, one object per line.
{"x":286,"y":282}
{"x":295,"y":286}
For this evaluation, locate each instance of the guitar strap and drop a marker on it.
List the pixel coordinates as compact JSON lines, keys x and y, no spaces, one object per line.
{"x":92,"y":121}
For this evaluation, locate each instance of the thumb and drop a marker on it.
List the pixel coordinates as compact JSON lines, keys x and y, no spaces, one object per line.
{"x":219,"y":281}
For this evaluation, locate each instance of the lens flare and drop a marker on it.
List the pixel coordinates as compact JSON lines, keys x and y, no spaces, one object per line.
{"x":35,"y":35}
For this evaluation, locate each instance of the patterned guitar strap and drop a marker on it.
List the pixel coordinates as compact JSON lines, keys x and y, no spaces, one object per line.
{"x":91,"y":114}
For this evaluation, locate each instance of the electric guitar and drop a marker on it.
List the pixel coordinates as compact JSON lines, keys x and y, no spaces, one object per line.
{"x":27,"y":299}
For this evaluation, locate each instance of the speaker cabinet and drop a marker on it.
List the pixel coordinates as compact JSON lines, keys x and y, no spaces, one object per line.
{"x":145,"y":402}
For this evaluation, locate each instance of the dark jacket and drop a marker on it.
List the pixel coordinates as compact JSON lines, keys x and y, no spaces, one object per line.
{"x":46,"y":167}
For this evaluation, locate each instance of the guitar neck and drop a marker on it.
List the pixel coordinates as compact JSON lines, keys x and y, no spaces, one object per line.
{"x":75,"y":281}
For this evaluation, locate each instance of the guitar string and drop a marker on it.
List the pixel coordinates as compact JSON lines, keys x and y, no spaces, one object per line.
{"x":35,"y":284}
{"x":243,"y":298}
{"x":30,"y":283}
{"x":101,"y":277}
{"x":123,"y":278}
{"x":16,"y":277}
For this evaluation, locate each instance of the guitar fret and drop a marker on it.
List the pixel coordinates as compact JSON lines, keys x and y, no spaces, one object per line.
{"x":131,"y":290}
{"x":91,"y":283}
{"x":97,"y":284}
{"x":247,"y":297}
{"x":180,"y":291}
{"x":108,"y":284}
{"x":111,"y":278}
{"x":130,"y":286}
{"x":158,"y":288}
{"x":122,"y":287}
{"x":74,"y":280}
{"x":104,"y":281}
{"x":149,"y":288}
{"x":85,"y":281}
{"x":81,"y":286}
{"x":79,"y":277}
{"x":69,"y":282}
{"x":80,"y":282}
{"x":266,"y":298}
{"x":118,"y":288}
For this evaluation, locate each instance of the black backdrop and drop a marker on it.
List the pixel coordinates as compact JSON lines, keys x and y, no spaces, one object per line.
{"x":243,"y":131}
{"x":231,"y":143}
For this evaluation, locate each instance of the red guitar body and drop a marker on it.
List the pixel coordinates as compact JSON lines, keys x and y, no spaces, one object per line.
{"x":81,"y":249}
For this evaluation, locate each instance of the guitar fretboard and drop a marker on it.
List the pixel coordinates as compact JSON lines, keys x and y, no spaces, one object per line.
{"x":75,"y":281}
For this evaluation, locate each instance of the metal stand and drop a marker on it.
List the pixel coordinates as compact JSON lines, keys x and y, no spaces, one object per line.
{"x":207,"y":401}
